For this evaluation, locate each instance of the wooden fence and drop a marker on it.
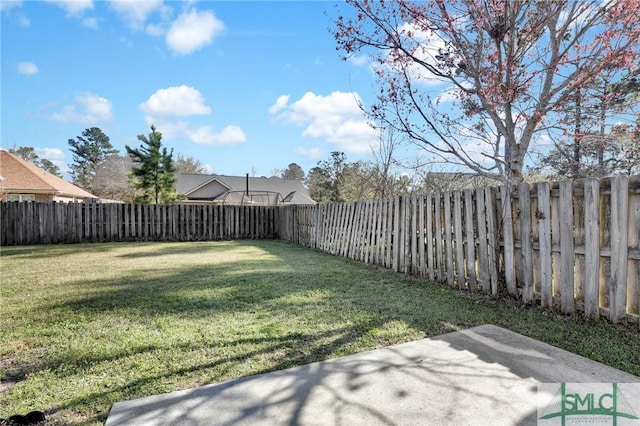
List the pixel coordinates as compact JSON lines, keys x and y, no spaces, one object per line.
{"x":50,"y":223}
{"x":567,"y":245}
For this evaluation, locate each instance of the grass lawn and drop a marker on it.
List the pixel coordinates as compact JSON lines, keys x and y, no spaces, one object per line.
{"x":84,"y":326}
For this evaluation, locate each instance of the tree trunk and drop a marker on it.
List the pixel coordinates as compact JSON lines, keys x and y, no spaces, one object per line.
{"x":577,"y":138}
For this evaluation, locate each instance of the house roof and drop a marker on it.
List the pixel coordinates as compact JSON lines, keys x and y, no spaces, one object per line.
{"x":23,"y":177}
{"x":291,"y":190}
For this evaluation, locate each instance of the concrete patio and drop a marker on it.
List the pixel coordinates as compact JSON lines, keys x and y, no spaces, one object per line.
{"x":481,"y":376}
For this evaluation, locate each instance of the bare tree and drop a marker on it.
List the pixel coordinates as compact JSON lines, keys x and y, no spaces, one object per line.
{"x":475,"y":81}
{"x":184,"y":164}
{"x":111,"y":179}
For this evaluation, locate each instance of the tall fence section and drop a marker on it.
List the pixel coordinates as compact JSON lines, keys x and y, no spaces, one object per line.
{"x":574,"y":246}
{"x":570,"y":245}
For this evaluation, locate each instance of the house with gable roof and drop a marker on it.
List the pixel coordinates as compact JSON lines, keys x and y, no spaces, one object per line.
{"x":21,"y":180}
{"x":239,"y":190}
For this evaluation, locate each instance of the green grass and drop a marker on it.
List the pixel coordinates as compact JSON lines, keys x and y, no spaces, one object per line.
{"x":85,"y":326}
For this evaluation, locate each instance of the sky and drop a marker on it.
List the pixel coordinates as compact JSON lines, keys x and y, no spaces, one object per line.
{"x":243,"y":87}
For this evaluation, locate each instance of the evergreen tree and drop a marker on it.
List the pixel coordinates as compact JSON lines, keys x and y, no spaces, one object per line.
{"x":89,"y":151}
{"x":28,"y":153}
{"x":153,"y":173}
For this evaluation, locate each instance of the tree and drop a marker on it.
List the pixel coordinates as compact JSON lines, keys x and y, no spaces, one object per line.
{"x":28,"y":153}
{"x":47,"y":165}
{"x":336,"y":180}
{"x":599,"y":155}
{"x":89,"y":151}
{"x":595,"y":147}
{"x":191,"y":165}
{"x":111,"y":179}
{"x":293,"y":172}
{"x":508,"y":67}
{"x":325,"y":179}
{"x":153,"y":172}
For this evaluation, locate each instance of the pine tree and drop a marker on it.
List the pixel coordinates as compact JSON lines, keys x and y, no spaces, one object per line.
{"x":153,"y":172}
{"x":89,"y":152}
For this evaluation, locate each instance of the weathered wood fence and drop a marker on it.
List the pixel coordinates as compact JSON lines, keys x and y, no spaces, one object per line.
{"x":570,"y":245}
{"x":51,"y":223}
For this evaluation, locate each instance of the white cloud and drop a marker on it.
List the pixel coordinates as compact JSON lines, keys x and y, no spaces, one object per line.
{"x":337,"y":118}
{"x":193,"y":30}
{"x":428,"y":45}
{"x":23,"y":20}
{"x":55,"y":155}
{"x":88,"y":108}
{"x":27,"y":68}
{"x":136,"y":12}
{"x":175,"y":101}
{"x":280,"y":104}
{"x":358,"y":60}
{"x":7,"y":5}
{"x":90,"y":23}
{"x":182,"y":101}
{"x":73,"y":7}
{"x":155,"y":30}
{"x":230,"y":135}
{"x":201,"y":135}
{"x":313,"y":153}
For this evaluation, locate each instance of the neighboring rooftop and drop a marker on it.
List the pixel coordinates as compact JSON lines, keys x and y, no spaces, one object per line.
{"x":218,"y":188}
{"x":23,"y":177}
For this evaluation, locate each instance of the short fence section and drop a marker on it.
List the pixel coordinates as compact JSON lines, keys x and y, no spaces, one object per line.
{"x":570,"y":245}
{"x":51,"y":223}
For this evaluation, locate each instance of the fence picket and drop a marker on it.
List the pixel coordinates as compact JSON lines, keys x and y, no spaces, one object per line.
{"x":567,"y":257}
{"x":459,"y":241}
{"x":526,"y":250}
{"x":592,"y":248}
{"x":507,"y":237}
{"x":619,"y":248}
{"x":543,"y":215}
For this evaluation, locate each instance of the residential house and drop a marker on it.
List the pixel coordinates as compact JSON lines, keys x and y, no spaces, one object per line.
{"x":22,"y":181}
{"x":239,"y":190}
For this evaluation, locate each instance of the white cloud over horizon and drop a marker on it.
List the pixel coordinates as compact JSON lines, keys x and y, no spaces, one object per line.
{"x":165,"y":106}
{"x":313,"y":153}
{"x":337,"y":118}
{"x":27,"y":68}
{"x":193,"y":30}
{"x":88,"y":108}
{"x":175,"y":101}
{"x":55,"y":155}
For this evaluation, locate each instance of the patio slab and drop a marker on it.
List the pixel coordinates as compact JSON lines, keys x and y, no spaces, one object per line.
{"x":480,"y":376}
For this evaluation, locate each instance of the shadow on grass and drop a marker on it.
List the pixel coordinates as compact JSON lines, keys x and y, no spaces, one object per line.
{"x":286,"y":306}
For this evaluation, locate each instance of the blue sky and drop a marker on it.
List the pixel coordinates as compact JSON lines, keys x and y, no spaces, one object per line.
{"x":241,"y":86}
